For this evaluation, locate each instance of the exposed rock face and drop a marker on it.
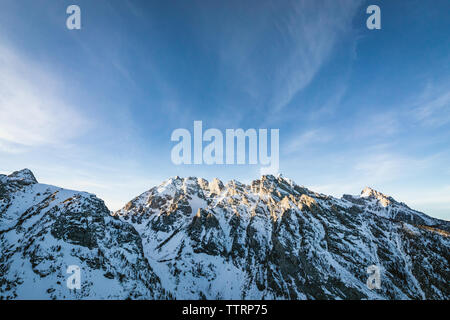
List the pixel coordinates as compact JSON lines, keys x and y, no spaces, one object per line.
{"x":44,"y":229}
{"x":375,"y":202}
{"x":275,"y":239}
{"x":194,"y":239}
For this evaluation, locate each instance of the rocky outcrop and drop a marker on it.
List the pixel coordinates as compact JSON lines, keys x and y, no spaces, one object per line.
{"x":45,"y":229}
{"x":193,"y":239}
{"x":273,"y":239}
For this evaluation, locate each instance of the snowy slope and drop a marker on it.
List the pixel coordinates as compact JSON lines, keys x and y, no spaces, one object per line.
{"x":274,"y":239}
{"x":44,"y":229}
{"x":189,"y":238}
{"x":385,"y":206}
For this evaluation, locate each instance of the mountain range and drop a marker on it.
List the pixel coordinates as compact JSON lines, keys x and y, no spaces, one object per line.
{"x":189,"y":238}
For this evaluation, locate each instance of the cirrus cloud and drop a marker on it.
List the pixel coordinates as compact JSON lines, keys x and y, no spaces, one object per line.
{"x":32,"y":110}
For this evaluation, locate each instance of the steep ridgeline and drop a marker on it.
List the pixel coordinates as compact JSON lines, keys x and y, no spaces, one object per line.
{"x":190,"y":238}
{"x":276,"y":240}
{"x":375,"y":202}
{"x":45,"y":229}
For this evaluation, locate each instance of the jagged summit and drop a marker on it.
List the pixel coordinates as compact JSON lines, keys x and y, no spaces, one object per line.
{"x":370,"y":192}
{"x":195,"y":193}
{"x":385,"y":200}
{"x":25,"y":176}
{"x":190,"y":238}
{"x":44,"y":229}
{"x":272,"y":238}
{"x":385,"y":206}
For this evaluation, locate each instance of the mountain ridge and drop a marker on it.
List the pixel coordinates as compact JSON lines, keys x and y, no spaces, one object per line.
{"x":238,"y":225}
{"x":190,"y":238}
{"x":366,"y":193}
{"x":45,"y":229}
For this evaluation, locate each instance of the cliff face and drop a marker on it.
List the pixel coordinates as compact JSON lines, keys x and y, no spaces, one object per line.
{"x":192,"y":239}
{"x":45,"y":229}
{"x":274,"y":239}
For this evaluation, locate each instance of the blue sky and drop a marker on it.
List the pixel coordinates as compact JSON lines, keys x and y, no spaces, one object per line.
{"x":93,"y":109}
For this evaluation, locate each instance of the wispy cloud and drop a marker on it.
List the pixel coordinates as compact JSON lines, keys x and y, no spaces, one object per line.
{"x":385,"y":167}
{"x":332,"y":103}
{"x":377,"y":124}
{"x":277,"y":53}
{"x":116,"y":188}
{"x":32,"y":109}
{"x":12,"y":148}
{"x":433,"y":107}
{"x":311,"y":29}
{"x":306,"y":138}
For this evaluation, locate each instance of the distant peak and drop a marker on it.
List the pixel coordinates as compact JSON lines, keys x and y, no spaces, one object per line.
{"x":270,"y":177}
{"x":216,"y":186}
{"x":24,"y":175}
{"x":368,"y":192}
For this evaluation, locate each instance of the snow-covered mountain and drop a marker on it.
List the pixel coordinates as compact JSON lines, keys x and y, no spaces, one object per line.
{"x":190,"y":239}
{"x":45,"y":229}
{"x":375,"y":202}
{"x":274,"y":239}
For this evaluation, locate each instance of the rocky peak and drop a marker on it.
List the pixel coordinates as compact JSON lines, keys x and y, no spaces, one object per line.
{"x":252,"y":229}
{"x":24,"y":176}
{"x":216,"y":186}
{"x":190,"y":239}
{"x":270,"y":181}
{"x":368,"y":192}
